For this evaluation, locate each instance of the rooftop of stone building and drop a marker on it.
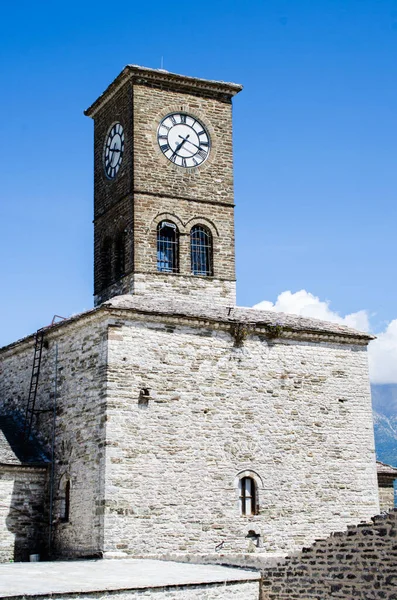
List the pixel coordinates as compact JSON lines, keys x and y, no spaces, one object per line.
{"x":22,"y":580}
{"x":14,"y":450}
{"x":232,"y":314}
{"x":290,"y":324}
{"x":385,"y":469}
{"x":161,"y":76}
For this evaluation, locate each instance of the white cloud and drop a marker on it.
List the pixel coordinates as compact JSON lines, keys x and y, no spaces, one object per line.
{"x":303,"y":303}
{"x":383,"y":355}
{"x":382,"y":351}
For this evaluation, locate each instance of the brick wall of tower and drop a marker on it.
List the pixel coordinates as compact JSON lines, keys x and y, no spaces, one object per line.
{"x":113,"y":204}
{"x":115,"y":221}
{"x":153,"y":173}
{"x":108,"y":192}
{"x":187,"y":197}
{"x":149,"y":188}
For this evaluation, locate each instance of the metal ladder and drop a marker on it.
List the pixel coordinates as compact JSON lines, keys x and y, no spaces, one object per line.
{"x":34,"y":381}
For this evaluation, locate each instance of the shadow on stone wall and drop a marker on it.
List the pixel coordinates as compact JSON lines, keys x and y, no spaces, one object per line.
{"x":23,"y":491}
{"x":26,"y":519}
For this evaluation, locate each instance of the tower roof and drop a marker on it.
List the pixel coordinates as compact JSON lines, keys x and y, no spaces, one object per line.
{"x":183,"y":83}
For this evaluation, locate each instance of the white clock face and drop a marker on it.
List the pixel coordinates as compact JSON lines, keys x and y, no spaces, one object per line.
{"x":113,"y":150}
{"x":183,"y":140}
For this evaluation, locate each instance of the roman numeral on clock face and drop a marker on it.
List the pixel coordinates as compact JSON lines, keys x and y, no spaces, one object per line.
{"x":113,"y":150}
{"x":183,"y":140}
{"x":202,"y":154}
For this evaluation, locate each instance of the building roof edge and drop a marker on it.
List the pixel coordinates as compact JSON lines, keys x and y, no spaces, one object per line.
{"x":140,"y":74}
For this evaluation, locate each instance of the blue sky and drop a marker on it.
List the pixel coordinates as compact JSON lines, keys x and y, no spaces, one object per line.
{"x":314,"y":137}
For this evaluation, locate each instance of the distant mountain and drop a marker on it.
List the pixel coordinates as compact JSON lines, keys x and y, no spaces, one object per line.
{"x":384,"y":405}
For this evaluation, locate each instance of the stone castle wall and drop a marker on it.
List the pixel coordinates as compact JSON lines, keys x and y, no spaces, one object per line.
{"x":358,"y":563}
{"x":80,"y":423}
{"x":160,"y":477}
{"x":387,"y":498}
{"x":297,"y":414}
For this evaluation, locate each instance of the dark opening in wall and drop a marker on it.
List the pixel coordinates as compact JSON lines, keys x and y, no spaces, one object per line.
{"x":106,"y":262}
{"x":144,"y":396}
{"x":119,"y":258}
{"x":167,"y":247}
{"x":201,"y":250}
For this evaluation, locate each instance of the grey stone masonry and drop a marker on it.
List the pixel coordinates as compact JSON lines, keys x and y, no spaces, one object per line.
{"x":150,"y":189}
{"x":387,"y":476}
{"x":23,"y":523}
{"x":80,"y":421}
{"x":23,"y":494}
{"x":358,"y":563}
{"x":164,"y":405}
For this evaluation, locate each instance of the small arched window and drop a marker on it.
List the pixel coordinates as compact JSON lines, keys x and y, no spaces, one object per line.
{"x":167,"y":247}
{"x":248,"y":496}
{"x":119,"y":255}
{"x":201,"y":250}
{"x":106,"y":262}
{"x":65,"y":501}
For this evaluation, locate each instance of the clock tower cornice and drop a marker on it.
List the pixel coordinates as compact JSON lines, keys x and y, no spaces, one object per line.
{"x":182,"y":83}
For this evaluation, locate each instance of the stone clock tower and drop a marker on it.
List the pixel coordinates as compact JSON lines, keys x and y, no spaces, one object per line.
{"x":163,"y":187}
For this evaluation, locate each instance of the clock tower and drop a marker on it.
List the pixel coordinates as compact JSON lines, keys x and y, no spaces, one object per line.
{"x":163,"y":187}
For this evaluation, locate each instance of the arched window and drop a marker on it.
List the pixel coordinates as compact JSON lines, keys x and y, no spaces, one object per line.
{"x":106,"y":262}
{"x":65,"y":501}
{"x":119,"y":255}
{"x":248,"y":496}
{"x":167,"y":247}
{"x":201,"y":250}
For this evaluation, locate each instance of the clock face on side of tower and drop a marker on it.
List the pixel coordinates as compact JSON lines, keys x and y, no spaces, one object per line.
{"x":184,"y":140}
{"x":113,"y":150}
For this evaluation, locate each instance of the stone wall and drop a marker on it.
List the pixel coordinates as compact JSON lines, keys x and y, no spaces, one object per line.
{"x":80,"y":423}
{"x":296,"y":413}
{"x":205,"y":290}
{"x":162,"y":477}
{"x":358,"y":563}
{"x":149,"y":189}
{"x":387,"y":497}
{"x":23,"y":523}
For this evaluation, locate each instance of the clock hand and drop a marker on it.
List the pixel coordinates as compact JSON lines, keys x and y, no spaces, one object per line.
{"x":180,"y":145}
{"x":193,"y":144}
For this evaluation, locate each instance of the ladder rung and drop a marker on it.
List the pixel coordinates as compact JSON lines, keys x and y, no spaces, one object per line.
{"x":34,"y":381}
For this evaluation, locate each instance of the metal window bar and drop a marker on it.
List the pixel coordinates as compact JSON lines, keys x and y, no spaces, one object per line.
{"x":201,"y":251}
{"x":247,"y":496}
{"x":167,"y":247}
